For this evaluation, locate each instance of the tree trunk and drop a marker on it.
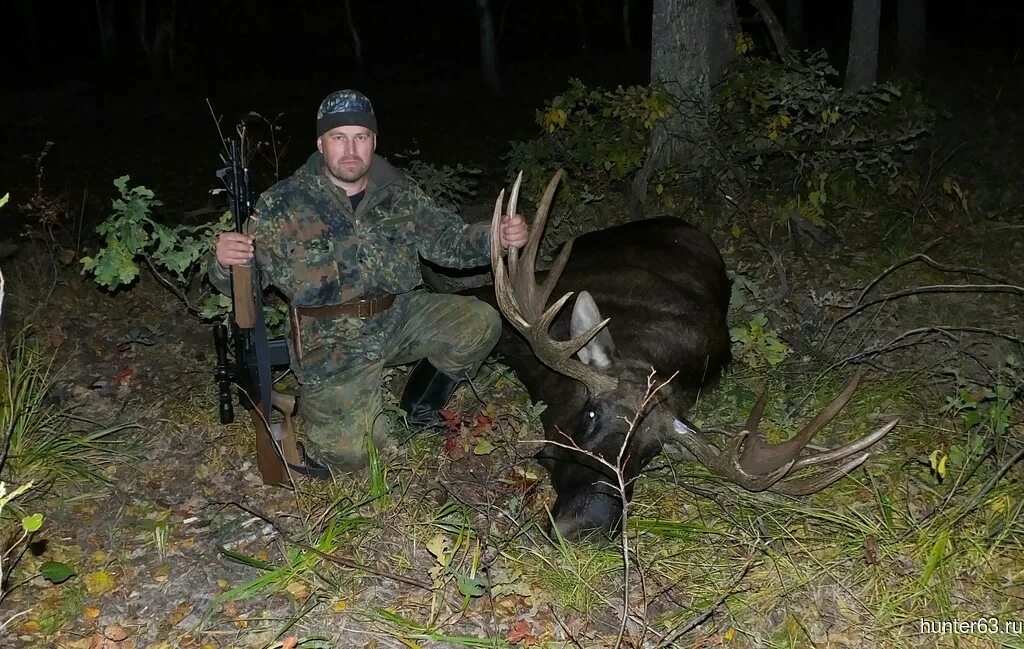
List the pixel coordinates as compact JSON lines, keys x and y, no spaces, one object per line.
{"x":724,"y":24}
{"x":862,"y":64}
{"x":107,"y":31}
{"x":164,"y":40}
{"x":488,"y":48}
{"x":795,"y":22}
{"x":627,"y":27}
{"x":692,"y":42}
{"x":910,"y":34}
{"x":582,"y":29}
{"x":357,"y":43}
{"x":770,"y":21}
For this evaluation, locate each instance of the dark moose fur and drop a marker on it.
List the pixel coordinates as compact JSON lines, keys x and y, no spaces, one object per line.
{"x":663,"y":284}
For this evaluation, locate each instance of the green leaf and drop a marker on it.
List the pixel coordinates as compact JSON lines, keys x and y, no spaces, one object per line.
{"x":32,"y":523}
{"x":470,"y":586}
{"x":484,"y":447}
{"x":56,"y":572}
{"x":935,"y":557}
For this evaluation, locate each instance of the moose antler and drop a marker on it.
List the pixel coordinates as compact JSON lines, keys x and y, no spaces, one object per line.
{"x":522,"y":301}
{"x":751,"y":462}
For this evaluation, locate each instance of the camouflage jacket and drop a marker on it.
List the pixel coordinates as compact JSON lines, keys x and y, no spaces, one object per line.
{"x":313,"y":247}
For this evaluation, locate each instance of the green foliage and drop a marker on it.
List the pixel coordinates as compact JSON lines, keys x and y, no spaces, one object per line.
{"x":797,"y":117}
{"x":131,"y":234}
{"x":14,"y":547}
{"x":450,"y":187}
{"x":770,"y":127}
{"x":599,"y":137}
{"x":56,"y":572}
{"x":756,"y":345}
{"x":39,"y":448}
{"x":988,"y":406}
{"x":42,"y":443}
{"x":983,"y":412}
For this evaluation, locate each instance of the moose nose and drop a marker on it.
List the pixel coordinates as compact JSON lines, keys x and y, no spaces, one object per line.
{"x":588,"y":515}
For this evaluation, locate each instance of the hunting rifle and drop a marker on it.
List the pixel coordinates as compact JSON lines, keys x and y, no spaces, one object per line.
{"x":245,"y":357}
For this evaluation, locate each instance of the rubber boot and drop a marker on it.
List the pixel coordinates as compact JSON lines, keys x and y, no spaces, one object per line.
{"x":426,"y":392}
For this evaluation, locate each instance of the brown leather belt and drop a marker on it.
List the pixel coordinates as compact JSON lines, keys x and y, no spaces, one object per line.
{"x":351,"y":309}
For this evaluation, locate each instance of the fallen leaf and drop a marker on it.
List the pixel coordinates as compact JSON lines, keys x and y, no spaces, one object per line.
{"x":115,"y":632}
{"x":438,"y":546}
{"x":521,"y":630}
{"x":230,"y":609}
{"x":298,"y":590}
{"x":291,"y":642}
{"x":91,"y":612}
{"x":178,"y":614}
{"x":124,"y":376}
{"x":160,"y":573}
{"x":56,"y":571}
{"x":452,"y":420}
{"x":29,"y":627}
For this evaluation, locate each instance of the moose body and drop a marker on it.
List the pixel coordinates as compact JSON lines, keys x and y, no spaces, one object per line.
{"x":650,"y":310}
{"x":663,"y":285}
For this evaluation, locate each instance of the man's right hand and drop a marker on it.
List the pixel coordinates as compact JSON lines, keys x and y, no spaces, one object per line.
{"x":234,"y":249}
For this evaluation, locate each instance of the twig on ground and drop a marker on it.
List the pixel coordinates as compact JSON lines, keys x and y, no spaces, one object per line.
{"x":622,"y":487}
{"x":967,"y":270}
{"x":701,"y":617}
{"x":933,"y":288}
{"x":14,"y":617}
{"x":973,"y":503}
{"x":565,"y":629}
{"x":898,"y":343}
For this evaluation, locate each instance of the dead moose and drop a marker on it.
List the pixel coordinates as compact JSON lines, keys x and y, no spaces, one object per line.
{"x":662,"y":286}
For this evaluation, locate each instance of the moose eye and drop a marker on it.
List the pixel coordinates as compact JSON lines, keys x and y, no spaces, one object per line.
{"x":589,"y":421}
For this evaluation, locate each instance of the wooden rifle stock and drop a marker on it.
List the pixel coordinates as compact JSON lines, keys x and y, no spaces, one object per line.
{"x":241,"y":287}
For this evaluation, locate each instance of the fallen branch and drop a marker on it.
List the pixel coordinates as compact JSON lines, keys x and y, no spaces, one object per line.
{"x":699,"y":619}
{"x":988,"y":486}
{"x":967,"y":270}
{"x":934,"y":288}
{"x":900,"y":342}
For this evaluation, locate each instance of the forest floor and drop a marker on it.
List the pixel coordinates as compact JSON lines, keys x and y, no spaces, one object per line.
{"x":180,"y":544}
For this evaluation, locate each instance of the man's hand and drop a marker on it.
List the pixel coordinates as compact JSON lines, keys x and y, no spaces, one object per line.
{"x":234,"y":249}
{"x":514,"y":231}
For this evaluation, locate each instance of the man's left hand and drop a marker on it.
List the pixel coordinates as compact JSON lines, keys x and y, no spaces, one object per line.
{"x":514,"y":231}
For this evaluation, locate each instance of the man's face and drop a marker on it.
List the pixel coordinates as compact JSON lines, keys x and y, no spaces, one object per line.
{"x":348,"y":151}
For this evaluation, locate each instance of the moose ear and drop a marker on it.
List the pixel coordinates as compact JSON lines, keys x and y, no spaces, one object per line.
{"x":601,"y":349}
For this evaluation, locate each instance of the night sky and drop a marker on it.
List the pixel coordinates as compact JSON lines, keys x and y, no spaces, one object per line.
{"x":421,"y":69}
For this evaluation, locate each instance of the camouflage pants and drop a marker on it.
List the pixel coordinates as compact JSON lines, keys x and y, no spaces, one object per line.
{"x":336,"y":417}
